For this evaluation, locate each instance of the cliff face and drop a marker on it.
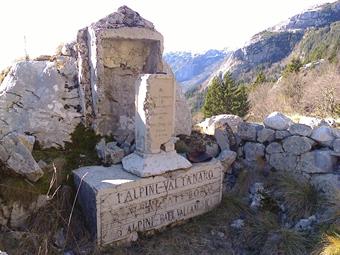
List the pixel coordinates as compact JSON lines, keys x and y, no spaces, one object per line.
{"x":264,"y":49}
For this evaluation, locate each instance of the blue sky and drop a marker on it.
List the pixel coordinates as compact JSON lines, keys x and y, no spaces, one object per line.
{"x":191,"y":25}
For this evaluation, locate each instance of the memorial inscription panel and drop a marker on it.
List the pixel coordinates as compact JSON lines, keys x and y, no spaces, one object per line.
{"x":144,"y":204}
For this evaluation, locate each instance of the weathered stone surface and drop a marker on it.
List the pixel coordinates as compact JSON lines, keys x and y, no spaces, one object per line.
{"x":253,"y":151}
{"x":110,"y":153}
{"x":328,"y":183}
{"x":183,"y":119}
{"x":283,"y":161}
{"x":41,"y":98}
{"x":247,"y":131}
{"x":16,"y":155}
{"x":336,"y":132}
{"x":323,"y":135}
{"x":265,"y":135}
{"x":336,"y":145}
{"x":274,"y":148}
{"x":277,"y":121}
{"x":154,"y":164}
{"x":227,"y":158}
{"x":281,"y":134}
{"x":318,"y":161}
{"x":209,"y":125}
{"x":154,"y":131}
{"x":300,"y":129}
{"x":297,"y":145}
{"x":118,"y":204}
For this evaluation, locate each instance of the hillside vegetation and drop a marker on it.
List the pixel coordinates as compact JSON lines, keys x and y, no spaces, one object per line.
{"x":307,"y":82}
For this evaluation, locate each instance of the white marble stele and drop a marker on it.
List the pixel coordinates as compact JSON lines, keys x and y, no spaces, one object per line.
{"x":155,"y":96}
{"x":118,"y":205}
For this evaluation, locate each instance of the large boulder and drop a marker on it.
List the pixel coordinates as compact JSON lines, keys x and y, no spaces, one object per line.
{"x":15,"y":155}
{"x":318,"y":161}
{"x":323,"y":135}
{"x":209,"y":125}
{"x":297,"y":145}
{"x":277,"y":121}
{"x":41,"y":98}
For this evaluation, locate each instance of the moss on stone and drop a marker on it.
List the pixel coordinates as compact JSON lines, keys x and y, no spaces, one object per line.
{"x":80,"y":152}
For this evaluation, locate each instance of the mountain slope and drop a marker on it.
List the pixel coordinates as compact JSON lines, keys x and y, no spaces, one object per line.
{"x":310,"y":35}
{"x":193,"y":69}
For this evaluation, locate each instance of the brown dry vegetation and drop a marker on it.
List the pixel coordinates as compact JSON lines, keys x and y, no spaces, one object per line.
{"x":313,"y":92}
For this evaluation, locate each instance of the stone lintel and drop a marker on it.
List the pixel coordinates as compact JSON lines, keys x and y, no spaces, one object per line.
{"x":118,"y":205}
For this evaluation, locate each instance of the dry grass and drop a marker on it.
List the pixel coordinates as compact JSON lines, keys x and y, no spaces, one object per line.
{"x":300,"y":197}
{"x":314,"y":92}
{"x":330,"y":244}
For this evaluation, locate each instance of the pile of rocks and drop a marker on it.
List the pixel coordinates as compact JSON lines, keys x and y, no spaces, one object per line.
{"x":311,"y":149}
{"x":295,"y":147}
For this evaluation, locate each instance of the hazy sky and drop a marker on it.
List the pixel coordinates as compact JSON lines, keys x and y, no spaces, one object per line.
{"x":192,"y":25}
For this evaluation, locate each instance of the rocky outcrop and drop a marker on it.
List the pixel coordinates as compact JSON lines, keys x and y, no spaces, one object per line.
{"x":41,"y":98}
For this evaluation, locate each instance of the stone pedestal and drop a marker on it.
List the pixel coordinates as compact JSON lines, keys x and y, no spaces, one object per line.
{"x":154,"y":128}
{"x":118,"y":205}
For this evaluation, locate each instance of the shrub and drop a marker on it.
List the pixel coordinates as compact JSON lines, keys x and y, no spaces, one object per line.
{"x":300,"y":197}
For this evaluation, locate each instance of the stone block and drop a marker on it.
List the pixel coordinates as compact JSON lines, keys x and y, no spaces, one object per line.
{"x":247,"y":131}
{"x":297,"y":145}
{"x":266,"y":135}
{"x":117,"y":205}
{"x":300,"y":129}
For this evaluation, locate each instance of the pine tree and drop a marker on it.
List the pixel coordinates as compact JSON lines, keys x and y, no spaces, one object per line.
{"x":242,"y":102}
{"x":225,"y":96}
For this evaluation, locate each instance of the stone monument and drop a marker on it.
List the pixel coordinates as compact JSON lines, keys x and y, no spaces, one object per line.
{"x":154,"y":128}
{"x":128,"y":93}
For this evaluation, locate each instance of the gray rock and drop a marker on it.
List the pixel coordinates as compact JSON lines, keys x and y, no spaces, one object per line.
{"x":41,"y":98}
{"x":274,"y":148}
{"x":247,"y":131}
{"x":212,"y":149}
{"x":110,"y":153}
{"x":300,"y":129}
{"x":323,"y":135}
{"x":336,"y":132}
{"x":336,"y":145}
{"x":256,"y":195}
{"x":227,"y":158}
{"x":209,"y":125}
{"x":183,"y":123}
{"x":317,"y":161}
{"x":237,"y":224}
{"x":222,"y":139}
{"x":253,"y":151}
{"x":283,"y":161}
{"x":277,"y":121}
{"x":329,"y":184}
{"x":305,"y":224}
{"x":297,"y":145}
{"x":17,"y":157}
{"x":265,"y":135}
{"x":279,"y":135}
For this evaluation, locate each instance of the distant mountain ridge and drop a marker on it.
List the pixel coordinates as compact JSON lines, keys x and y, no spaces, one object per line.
{"x":264,"y":50}
{"x":193,"y":69}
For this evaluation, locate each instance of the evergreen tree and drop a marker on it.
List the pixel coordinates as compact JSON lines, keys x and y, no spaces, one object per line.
{"x":225,"y":96}
{"x":260,"y":78}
